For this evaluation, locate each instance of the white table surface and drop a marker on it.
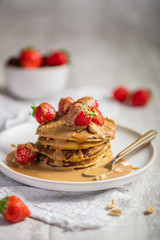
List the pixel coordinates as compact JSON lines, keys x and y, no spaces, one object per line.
{"x":111,"y":43}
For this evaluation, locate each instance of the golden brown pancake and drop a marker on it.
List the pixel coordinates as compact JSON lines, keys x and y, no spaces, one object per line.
{"x":72,"y":155}
{"x":63,"y":165}
{"x":67,"y":145}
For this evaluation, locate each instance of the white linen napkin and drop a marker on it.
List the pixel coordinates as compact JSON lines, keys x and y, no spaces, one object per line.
{"x":69,"y":210}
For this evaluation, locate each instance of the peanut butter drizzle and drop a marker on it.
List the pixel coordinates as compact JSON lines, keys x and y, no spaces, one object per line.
{"x":60,"y":143}
{"x":80,"y":154}
{"x":58,"y":155}
{"x":58,"y":130}
{"x":39,"y":171}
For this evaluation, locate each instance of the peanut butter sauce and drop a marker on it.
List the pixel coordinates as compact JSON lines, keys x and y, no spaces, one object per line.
{"x":58,"y":130}
{"x":38,"y":170}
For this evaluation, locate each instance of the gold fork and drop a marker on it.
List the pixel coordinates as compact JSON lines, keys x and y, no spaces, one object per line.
{"x":140,"y":142}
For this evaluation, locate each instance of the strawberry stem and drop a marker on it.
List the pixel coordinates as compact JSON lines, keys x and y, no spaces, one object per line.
{"x":88,"y":111}
{"x":150,"y":92}
{"x":3,"y":205}
{"x":31,"y":47}
{"x":34,"y":109}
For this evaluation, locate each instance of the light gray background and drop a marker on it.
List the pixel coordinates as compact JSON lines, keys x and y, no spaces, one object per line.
{"x":108,"y":40}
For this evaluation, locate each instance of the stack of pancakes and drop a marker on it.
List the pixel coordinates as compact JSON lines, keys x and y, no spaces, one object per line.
{"x":63,"y":147}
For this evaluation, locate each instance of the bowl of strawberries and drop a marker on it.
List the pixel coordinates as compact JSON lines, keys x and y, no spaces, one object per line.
{"x":32,"y":75}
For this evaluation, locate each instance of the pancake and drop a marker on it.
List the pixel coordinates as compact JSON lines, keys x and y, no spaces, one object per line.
{"x":63,"y":165}
{"x":67,"y":145}
{"x":94,"y":133}
{"x":72,"y":155}
{"x":63,"y":147}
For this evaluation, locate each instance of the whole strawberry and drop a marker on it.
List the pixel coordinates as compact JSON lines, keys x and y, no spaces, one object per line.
{"x":57,"y":58}
{"x":31,"y":58}
{"x":83,"y":119}
{"x":79,"y":115}
{"x":24,"y":155}
{"x":44,"y":113}
{"x":121,"y":94}
{"x":140,"y":98}
{"x":13,"y":209}
{"x":88,"y":101}
{"x":65,"y":104}
{"x":98,"y":119}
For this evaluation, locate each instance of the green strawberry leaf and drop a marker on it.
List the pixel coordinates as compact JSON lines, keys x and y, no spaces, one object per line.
{"x":88,"y":111}
{"x":3,"y":204}
{"x":34,"y":109}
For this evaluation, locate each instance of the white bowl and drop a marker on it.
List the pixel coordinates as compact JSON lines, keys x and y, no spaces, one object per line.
{"x":36,"y":83}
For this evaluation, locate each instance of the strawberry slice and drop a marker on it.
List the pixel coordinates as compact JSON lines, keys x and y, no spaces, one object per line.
{"x":98,"y":119}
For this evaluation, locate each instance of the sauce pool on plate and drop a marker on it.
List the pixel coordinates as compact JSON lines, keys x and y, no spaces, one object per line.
{"x":39,"y":170}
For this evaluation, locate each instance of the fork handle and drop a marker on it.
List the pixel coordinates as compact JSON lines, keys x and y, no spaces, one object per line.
{"x":140,"y":142}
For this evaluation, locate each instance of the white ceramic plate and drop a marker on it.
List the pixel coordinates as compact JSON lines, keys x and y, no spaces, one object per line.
{"x":124,"y":136}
